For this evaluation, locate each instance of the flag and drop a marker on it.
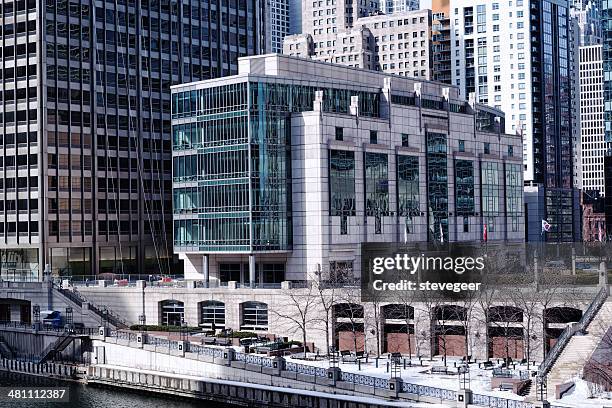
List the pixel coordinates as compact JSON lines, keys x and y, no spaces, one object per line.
{"x":600,"y":233}
{"x":441,"y":233}
{"x":485,"y":236}
{"x":545,"y":226}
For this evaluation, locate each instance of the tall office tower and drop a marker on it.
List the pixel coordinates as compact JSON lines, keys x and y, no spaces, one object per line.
{"x":85,"y":159}
{"x":588,"y":15}
{"x":277,"y":21}
{"x":593,"y":145}
{"x":398,"y":43}
{"x":295,"y":16}
{"x":517,"y":57}
{"x":587,"y":31}
{"x":606,"y":24}
{"x":441,"y":48}
{"x":397,"y":6}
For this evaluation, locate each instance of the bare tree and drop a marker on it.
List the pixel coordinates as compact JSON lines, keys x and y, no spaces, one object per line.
{"x":405,"y":312}
{"x":375,"y":317}
{"x":350,"y":308}
{"x":429,"y":303}
{"x":298,"y":310}
{"x":327,"y":292}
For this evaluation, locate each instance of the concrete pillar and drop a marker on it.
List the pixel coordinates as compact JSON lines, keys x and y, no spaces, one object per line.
{"x":205,"y":271}
{"x":334,"y":374}
{"x":252,"y":270}
{"x":395,"y":387}
{"x":573,"y":261}
{"x":141,"y":339}
{"x":181,"y":346}
{"x":228,"y":356}
{"x":464,"y":398}
{"x":603,"y":275}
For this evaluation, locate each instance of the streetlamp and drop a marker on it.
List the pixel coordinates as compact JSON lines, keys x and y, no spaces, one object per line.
{"x":183,"y":330}
{"x":142,"y":321}
{"x":36,"y":312}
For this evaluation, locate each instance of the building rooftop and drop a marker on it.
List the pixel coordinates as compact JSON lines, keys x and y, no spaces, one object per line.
{"x":308,"y":70}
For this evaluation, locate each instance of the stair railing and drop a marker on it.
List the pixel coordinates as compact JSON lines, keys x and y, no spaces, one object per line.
{"x":569,"y":331}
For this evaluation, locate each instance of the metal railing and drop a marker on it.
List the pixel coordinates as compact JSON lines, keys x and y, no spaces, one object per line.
{"x":427,"y":391}
{"x":75,"y":296}
{"x":569,"y":331}
{"x":499,"y":402}
{"x":349,"y":377}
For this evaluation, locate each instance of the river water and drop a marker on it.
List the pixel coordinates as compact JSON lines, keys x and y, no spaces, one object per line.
{"x":91,"y":396}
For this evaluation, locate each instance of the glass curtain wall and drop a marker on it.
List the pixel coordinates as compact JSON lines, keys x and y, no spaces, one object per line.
{"x":408,"y":205}
{"x":437,"y":186}
{"x":342,"y":186}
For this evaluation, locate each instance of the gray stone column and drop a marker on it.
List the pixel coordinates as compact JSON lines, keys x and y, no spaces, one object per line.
{"x":205,"y":272}
{"x":252,"y":270}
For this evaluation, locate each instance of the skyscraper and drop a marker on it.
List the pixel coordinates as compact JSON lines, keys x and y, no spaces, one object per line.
{"x":517,"y":57}
{"x":396,"y":6}
{"x":277,"y":21}
{"x":85,"y":159}
{"x":398,"y":43}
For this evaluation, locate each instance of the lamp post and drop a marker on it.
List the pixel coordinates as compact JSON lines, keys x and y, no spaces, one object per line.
{"x":183,"y":330}
{"x":36,"y":312}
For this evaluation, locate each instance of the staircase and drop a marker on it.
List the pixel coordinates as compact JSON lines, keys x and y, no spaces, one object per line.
{"x":579,"y":349}
{"x":57,"y":346}
{"x":5,"y":350}
{"x":78,"y":299}
{"x":526,"y":389}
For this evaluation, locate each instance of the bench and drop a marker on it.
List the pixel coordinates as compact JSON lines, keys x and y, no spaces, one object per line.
{"x":487,"y":364}
{"x":506,"y":387}
{"x":347,"y":357}
{"x":439,"y":370}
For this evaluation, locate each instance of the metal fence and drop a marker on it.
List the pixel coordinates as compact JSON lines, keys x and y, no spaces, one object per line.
{"x":314,"y":371}
{"x":427,"y":391}
{"x":498,"y":402}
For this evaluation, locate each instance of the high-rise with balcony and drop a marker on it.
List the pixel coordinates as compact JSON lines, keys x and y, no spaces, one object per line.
{"x":85,"y":148}
{"x":517,"y":56}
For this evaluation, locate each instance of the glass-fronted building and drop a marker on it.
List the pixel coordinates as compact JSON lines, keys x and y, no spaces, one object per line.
{"x":286,"y":168}
{"x":519,"y":57}
{"x":85,"y":133}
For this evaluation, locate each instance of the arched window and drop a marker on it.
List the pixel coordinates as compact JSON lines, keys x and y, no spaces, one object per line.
{"x":172,"y":312}
{"x":212,"y":313}
{"x":254,"y":316}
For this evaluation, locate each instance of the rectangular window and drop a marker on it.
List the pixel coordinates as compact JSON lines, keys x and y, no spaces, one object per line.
{"x":408,"y":189}
{"x":373,"y":137}
{"x":462,"y":145}
{"x":487,"y":148}
{"x":339,"y":133}
{"x":464,"y":187}
{"x":437,"y":186}
{"x":342,"y":183}
{"x":376,"y":187}
{"x":405,"y":140}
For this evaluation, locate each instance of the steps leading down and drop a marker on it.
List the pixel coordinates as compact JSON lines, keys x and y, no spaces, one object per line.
{"x":579,"y":349}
